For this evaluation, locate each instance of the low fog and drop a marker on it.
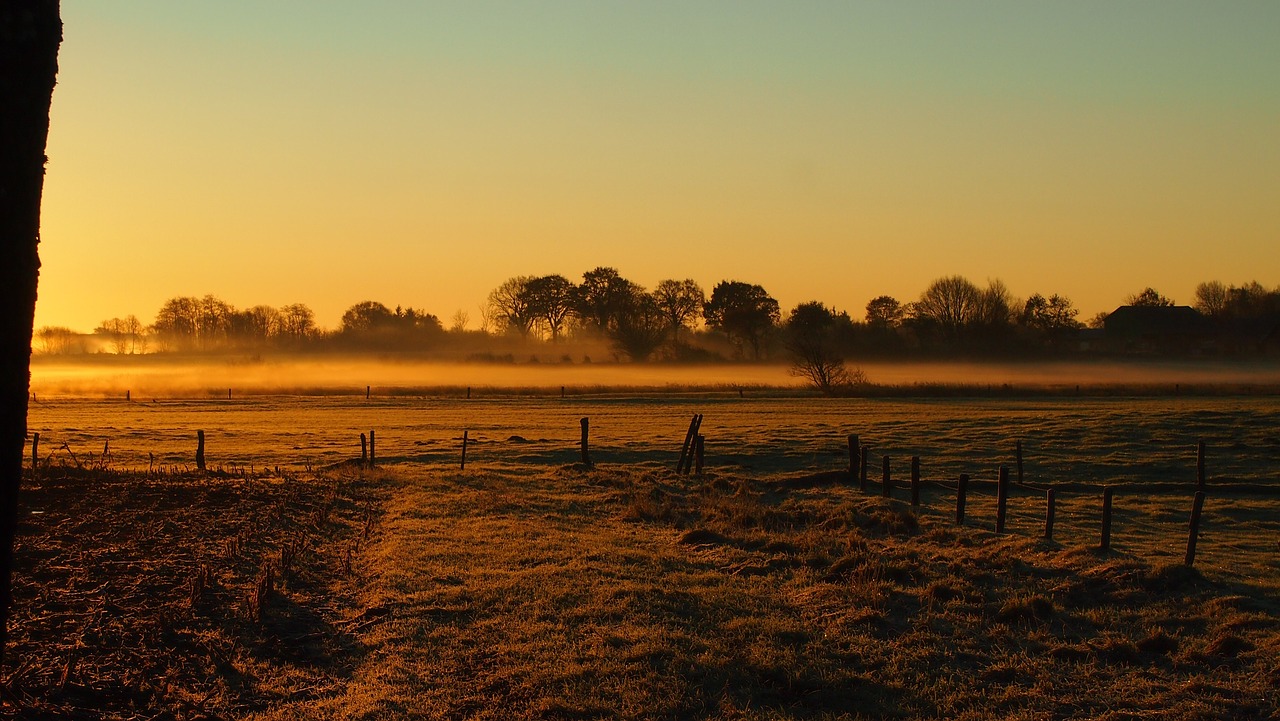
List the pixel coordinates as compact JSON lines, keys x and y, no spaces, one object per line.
{"x":153,"y":377}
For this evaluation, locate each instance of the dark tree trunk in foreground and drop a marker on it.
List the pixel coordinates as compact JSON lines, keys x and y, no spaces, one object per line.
{"x":30,"y":33}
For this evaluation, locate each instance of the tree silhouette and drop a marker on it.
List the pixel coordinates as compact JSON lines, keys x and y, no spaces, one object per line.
{"x":1052,"y":318}
{"x":366,"y":317}
{"x":744,"y":312}
{"x":638,"y":325}
{"x":949,"y":305}
{"x":297,"y":323}
{"x":681,"y":303}
{"x":812,"y":337}
{"x":509,"y":305}
{"x":601,"y":298}
{"x":1149,"y":297}
{"x":30,"y":33}
{"x":549,"y":300}
{"x":884,"y":312}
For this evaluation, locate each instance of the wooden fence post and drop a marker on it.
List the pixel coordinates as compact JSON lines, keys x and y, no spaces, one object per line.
{"x":367,"y":391}
{"x":364,"y":451}
{"x":962,"y":489}
{"x":1200,"y":477}
{"x":372,"y":452}
{"x":687,"y":447}
{"x":1106,"y":518}
{"x":854,"y":456}
{"x":200,"y":450}
{"x":915,"y":481}
{"x":862,"y":474}
{"x":698,"y":453}
{"x":35,"y":455}
{"x":1048,"y":514}
{"x":126,"y":396}
{"x":586,"y":455}
{"x":464,"y":450}
{"x":1197,"y":507}
{"x":1002,"y":497}
{"x":884,"y":488}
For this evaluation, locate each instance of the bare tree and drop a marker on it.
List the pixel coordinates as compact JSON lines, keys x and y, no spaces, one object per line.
{"x":1212,"y":299}
{"x":458,"y":323}
{"x":950,"y":303}
{"x":681,"y":303}
{"x":30,"y":33}
{"x":509,"y":305}
{"x":297,"y":323}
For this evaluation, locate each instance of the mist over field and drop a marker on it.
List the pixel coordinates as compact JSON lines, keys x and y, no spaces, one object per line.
{"x":161,"y":377}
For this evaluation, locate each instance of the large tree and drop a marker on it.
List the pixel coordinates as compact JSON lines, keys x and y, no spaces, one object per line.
{"x":509,"y":305}
{"x":681,"y":303}
{"x":813,"y":337}
{"x":949,"y":304}
{"x":549,"y":299}
{"x":602,"y":297}
{"x":744,"y":312}
{"x":30,"y":33}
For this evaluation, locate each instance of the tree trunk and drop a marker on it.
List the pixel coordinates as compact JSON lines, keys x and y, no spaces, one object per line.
{"x":30,"y":33}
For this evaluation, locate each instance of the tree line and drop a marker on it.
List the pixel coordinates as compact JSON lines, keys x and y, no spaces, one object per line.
{"x":676,"y":320}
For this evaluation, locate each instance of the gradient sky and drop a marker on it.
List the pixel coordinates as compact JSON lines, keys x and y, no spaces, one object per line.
{"x":420,"y":153}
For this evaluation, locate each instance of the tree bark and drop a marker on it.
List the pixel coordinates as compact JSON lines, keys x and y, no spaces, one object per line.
{"x":30,"y":33}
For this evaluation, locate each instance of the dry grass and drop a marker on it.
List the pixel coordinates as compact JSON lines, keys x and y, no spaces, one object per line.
{"x":576,"y":594}
{"x":181,"y":595}
{"x":610,"y":593}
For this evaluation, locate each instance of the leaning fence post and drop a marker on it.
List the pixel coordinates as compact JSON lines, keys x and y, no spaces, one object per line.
{"x":364,"y":451}
{"x":962,"y":488}
{"x":915,"y":480}
{"x":1048,"y":514}
{"x":200,"y":450}
{"x":1106,"y":517}
{"x":464,"y":450}
{"x":35,"y":455}
{"x":1002,"y":497}
{"x":1196,"y":507}
{"x":586,"y":455}
{"x":690,"y":449}
{"x":884,"y":489}
{"x":854,"y":455}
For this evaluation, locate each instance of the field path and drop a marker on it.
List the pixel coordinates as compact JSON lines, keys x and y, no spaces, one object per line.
{"x":495,"y":597}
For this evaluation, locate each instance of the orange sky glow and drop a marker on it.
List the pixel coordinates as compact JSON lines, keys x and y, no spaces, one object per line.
{"x":420,"y":154}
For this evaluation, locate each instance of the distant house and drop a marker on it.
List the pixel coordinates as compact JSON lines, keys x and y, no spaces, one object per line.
{"x":1176,"y":330}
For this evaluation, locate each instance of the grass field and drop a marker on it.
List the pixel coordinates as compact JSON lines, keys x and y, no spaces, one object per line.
{"x":527,"y":586}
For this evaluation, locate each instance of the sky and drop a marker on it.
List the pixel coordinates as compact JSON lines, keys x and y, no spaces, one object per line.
{"x":421,"y":153}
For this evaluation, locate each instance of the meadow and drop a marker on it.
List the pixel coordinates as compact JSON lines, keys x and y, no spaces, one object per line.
{"x":529,"y":585}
